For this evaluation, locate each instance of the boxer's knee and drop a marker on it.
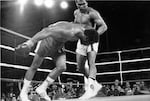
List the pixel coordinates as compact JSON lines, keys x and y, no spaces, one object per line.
{"x":37,"y":61}
{"x":34,"y":66}
{"x":61,"y":63}
{"x":61,"y":68}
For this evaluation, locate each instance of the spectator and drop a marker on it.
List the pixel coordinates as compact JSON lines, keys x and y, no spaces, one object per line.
{"x":128,"y":90}
{"x":80,"y":90}
{"x":70,"y":91}
{"x":142,"y":86}
{"x":136,"y":89}
{"x":107,"y":88}
{"x":57,"y":92}
{"x":3,"y":97}
{"x":118,"y":87}
{"x":113,"y":91}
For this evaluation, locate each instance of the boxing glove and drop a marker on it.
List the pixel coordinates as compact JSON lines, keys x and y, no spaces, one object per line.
{"x":22,"y":50}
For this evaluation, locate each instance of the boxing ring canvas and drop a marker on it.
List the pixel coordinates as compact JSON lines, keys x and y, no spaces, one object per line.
{"x":116,"y":98}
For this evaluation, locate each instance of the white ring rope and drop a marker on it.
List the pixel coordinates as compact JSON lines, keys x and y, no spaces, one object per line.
{"x":33,"y":54}
{"x":26,"y":37}
{"x":106,"y":63}
{"x":68,"y":73}
{"x":42,"y":70}
{"x":131,"y":50}
{"x":14,"y":33}
{"x":34,"y":81}
{"x":128,"y":71}
{"x":19,"y":80}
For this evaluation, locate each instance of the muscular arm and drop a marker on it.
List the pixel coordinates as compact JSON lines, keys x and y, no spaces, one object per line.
{"x":44,"y":33}
{"x":102,"y":27}
{"x":41,"y":35}
{"x":80,"y":35}
{"x":75,"y":13}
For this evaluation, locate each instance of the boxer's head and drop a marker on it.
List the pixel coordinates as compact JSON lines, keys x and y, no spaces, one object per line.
{"x":92,"y":35}
{"x":81,"y":4}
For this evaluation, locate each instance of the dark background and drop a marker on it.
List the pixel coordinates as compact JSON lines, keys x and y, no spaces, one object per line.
{"x":128,"y":28}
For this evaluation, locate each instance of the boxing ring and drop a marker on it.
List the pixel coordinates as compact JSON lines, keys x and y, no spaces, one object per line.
{"x":119,"y":61}
{"x":120,"y":98}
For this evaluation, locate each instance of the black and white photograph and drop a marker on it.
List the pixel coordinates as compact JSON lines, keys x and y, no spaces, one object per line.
{"x":75,"y":50}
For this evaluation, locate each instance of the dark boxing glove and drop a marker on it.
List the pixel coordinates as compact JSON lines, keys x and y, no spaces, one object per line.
{"x":22,"y":50}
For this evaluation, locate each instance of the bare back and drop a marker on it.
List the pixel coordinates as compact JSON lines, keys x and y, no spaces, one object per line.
{"x":64,"y":31}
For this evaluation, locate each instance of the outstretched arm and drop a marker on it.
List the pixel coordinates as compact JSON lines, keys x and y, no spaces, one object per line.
{"x":75,"y":16}
{"x":24,"y":48}
{"x":44,"y":33}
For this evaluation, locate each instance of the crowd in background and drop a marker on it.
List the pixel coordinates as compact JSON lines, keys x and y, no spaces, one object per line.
{"x":73,"y":89}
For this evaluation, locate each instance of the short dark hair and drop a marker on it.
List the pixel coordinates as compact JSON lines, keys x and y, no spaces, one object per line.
{"x":92,"y":35}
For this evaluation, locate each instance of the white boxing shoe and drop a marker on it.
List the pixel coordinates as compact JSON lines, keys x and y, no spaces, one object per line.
{"x":97,"y":87}
{"x":24,"y":96}
{"x":89,"y":93}
{"x":43,"y":94}
{"x":92,"y":90}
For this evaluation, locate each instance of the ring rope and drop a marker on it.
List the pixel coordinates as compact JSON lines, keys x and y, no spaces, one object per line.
{"x":70,"y":73}
{"x":34,"y":81}
{"x":26,"y":37}
{"x":42,"y":70}
{"x":119,"y":72}
{"x":32,"y":54}
{"x":105,"y":63}
{"x":119,"y":53}
{"x":14,"y":33}
{"x":130,"y":50}
{"x":124,"y":61}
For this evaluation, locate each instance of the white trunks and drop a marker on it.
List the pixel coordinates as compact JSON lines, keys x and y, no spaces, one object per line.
{"x":84,"y":49}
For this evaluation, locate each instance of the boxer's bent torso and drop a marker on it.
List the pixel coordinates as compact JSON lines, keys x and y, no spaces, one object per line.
{"x":65,"y":31}
{"x":50,"y":47}
{"x":61,"y":32}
